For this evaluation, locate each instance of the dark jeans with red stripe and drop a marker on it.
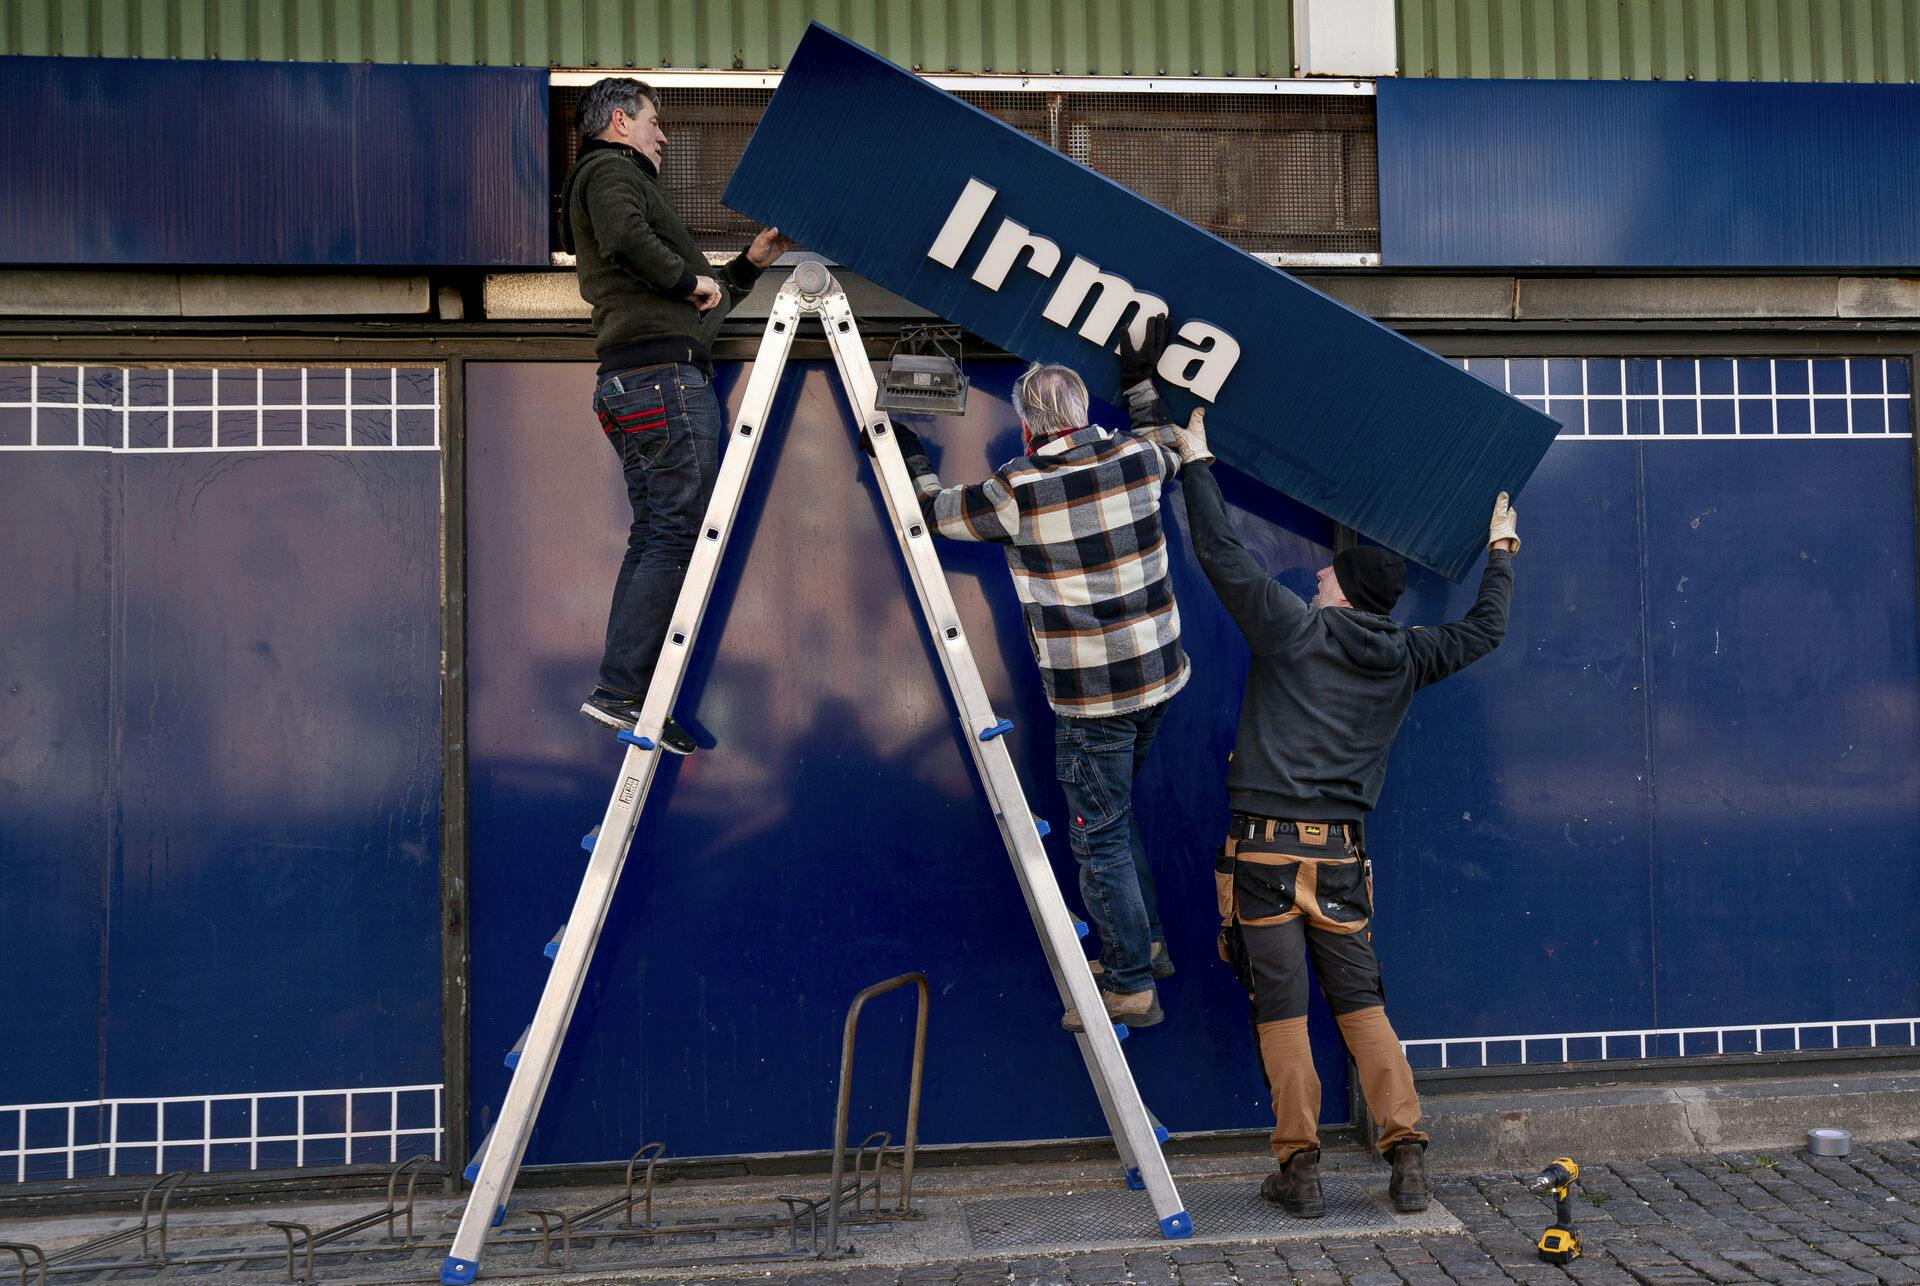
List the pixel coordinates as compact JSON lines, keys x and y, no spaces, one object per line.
{"x":664,"y":424}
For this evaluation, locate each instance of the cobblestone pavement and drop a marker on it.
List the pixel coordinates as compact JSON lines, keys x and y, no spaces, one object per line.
{"x":1789,"y":1218}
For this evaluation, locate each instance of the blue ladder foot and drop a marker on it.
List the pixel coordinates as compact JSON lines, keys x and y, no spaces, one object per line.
{"x":634,"y":739}
{"x":1176,"y":1226}
{"x":1000,"y":729}
{"x":458,"y":1272}
{"x":1134,"y":1180}
{"x":499,"y":1217}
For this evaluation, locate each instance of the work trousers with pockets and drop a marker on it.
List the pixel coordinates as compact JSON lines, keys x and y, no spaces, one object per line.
{"x":1290,"y":889}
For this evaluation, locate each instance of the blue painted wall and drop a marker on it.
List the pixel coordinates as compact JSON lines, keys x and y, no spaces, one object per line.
{"x":219,"y":794}
{"x":1599,"y":828}
{"x":141,"y":162}
{"x":1647,"y":174}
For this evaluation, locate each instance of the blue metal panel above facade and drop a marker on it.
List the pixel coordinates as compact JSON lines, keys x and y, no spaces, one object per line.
{"x":973,"y":220}
{"x":1584,"y":174}
{"x":130,"y":161}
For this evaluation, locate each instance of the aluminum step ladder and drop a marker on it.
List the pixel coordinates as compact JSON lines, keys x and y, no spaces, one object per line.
{"x":1136,"y":1134}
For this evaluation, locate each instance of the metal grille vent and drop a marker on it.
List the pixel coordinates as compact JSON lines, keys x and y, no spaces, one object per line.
{"x":1272,"y":173}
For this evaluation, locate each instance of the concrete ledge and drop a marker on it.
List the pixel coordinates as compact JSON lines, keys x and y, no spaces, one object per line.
{"x":1518,"y":1130}
{"x":533,"y":296}
{"x":1658,"y":298}
{"x":57,"y":292}
{"x":77,"y":292}
{"x":263,"y":295}
{"x":1879,"y":297}
{"x":1390,"y":297}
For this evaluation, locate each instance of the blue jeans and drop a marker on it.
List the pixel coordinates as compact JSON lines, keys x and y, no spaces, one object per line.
{"x":664,"y":424}
{"x":1096,"y":760}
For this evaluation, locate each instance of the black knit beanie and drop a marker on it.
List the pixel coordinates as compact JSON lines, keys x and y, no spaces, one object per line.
{"x":1371,"y":577}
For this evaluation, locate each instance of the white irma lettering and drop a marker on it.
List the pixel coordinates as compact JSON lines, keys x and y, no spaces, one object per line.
{"x":961,"y":223}
{"x":1005,"y":248}
{"x":1117,"y":295}
{"x":1200,"y":365}
{"x":1204,"y":369}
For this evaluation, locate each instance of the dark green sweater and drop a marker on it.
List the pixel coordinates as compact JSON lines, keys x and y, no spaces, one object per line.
{"x":637,"y":263}
{"x":1326,"y":687}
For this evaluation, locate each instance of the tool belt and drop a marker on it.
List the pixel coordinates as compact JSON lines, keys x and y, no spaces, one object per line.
{"x":1251,"y":827}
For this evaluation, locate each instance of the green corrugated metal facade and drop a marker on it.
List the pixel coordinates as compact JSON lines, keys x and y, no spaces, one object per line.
{"x":1800,"y":40}
{"x":1045,"y":37}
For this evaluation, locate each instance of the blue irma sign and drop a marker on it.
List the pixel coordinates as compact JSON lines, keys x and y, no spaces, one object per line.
{"x":937,"y":201}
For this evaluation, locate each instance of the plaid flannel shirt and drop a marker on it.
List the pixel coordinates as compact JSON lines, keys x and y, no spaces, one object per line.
{"x":1080,"y":517}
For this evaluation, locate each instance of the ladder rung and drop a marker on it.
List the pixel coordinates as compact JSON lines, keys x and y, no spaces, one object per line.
{"x":1040,"y":824}
{"x":633,"y":739}
{"x":1119,"y":1033}
{"x":1000,"y":729}
{"x":1081,"y":928}
{"x":519,"y":1047}
{"x":472,"y":1171}
{"x":591,"y":838}
{"x":553,"y":944}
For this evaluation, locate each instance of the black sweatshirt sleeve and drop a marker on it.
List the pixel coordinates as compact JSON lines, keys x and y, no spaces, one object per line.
{"x":1446,"y":649}
{"x":1267,"y":612}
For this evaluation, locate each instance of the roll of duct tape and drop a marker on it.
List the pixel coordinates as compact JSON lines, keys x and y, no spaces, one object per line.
{"x":1825,"y":1141}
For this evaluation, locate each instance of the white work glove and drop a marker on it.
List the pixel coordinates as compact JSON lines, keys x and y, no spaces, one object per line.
{"x":1191,"y":442}
{"x":1505,"y":525}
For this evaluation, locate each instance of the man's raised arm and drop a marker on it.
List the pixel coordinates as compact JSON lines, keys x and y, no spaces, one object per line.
{"x":1447,"y":649}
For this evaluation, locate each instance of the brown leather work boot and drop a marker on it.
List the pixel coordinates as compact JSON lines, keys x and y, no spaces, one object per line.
{"x":1295,"y":1186}
{"x":1134,"y":1008}
{"x":1408,"y":1186}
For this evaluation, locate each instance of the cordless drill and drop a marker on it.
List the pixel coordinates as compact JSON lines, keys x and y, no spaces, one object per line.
{"x":1559,"y":1244}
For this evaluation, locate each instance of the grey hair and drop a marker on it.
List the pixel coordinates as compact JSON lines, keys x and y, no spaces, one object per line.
{"x":604,"y":97}
{"x":1050,"y":400}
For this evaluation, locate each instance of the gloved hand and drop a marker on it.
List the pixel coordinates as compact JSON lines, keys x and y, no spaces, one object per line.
{"x":1138,"y":364}
{"x":1191,"y":442}
{"x":1504,"y":527}
{"x":910,"y":444}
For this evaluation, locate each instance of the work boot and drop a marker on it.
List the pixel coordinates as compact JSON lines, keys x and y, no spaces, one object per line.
{"x":611,"y":710}
{"x":1408,"y":1187}
{"x":1162,"y":965}
{"x":1134,"y":1008}
{"x":1295,"y":1186}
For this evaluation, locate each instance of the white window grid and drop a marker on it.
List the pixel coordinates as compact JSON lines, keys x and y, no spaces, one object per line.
{"x":1638,"y":1040}
{"x":1661,"y":399}
{"x":124,"y":410}
{"x":199,"y":1108}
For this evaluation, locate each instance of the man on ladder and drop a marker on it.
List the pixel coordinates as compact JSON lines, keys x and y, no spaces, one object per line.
{"x":656,"y":307}
{"x":1079,"y":515}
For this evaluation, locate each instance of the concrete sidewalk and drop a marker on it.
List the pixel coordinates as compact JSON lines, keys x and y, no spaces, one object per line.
{"x":1703,"y":1208}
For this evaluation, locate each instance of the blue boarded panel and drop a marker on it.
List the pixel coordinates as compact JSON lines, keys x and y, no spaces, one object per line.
{"x":275,"y":906}
{"x":273,"y":163}
{"x":55,"y":812}
{"x":1307,"y":395}
{"x":835,"y":834}
{"x":1786,"y":730}
{"x":1510,"y":850}
{"x":1513,"y":173}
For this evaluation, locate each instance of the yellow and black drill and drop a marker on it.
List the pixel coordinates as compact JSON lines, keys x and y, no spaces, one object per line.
{"x":1559,"y":1244}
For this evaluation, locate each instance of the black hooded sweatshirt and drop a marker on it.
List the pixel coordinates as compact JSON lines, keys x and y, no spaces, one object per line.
{"x":1326,"y":687}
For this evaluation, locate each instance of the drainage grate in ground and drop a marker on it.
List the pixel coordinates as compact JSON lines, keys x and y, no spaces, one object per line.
{"x":1222,"y":1208}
